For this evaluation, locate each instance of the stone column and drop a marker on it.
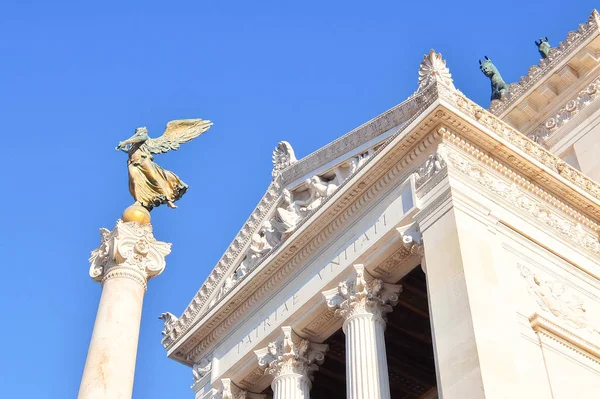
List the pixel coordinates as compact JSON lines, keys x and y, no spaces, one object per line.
{"x":363,"y":302}
{"x":291,"y":360}
{"x":127,"y":258}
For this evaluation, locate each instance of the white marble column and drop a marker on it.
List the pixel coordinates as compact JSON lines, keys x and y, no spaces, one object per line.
{"x":127,"y":258}
{"x":363,"y":301}
{"x":291,"y":360}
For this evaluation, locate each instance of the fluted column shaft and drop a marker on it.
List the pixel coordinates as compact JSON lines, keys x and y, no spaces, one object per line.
{"x":291,"y":386}
{"x":366,"y":362}
{"x":362,"y":301}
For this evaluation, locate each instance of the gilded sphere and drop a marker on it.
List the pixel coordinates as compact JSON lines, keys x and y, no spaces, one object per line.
{"x":136,"y":213}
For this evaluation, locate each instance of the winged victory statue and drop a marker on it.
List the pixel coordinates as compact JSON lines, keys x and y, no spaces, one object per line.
{"x":149,"y":184}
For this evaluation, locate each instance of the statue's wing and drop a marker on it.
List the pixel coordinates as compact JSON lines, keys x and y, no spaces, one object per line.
{"x":177,"y":132}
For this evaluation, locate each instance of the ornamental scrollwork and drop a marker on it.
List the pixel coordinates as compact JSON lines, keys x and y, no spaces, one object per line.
{"x":291,"y":354}
{"x":362,"y":294}
{"x":131,"y":250}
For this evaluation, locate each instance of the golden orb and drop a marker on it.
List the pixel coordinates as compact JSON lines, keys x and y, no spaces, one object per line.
{"x":136,"y":213}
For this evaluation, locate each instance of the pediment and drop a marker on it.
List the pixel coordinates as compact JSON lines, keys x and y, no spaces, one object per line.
{"x":296,"y":216}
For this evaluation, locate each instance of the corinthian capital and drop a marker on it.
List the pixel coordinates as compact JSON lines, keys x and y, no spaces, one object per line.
{"x":291,"y":354}
{"x":129,"y":250}
{"x":362,"y":294}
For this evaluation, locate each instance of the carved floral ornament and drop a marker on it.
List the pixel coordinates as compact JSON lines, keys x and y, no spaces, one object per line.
{"x":291,"y":354}
{"x":130,"y":250}
{"x":363,"y":294}
{"x":585,"y":97}
{"x":555,"y":56}
{"x":433,"y":69}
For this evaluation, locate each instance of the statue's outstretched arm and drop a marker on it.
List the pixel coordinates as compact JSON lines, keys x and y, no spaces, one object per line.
{"x":132,"y":140}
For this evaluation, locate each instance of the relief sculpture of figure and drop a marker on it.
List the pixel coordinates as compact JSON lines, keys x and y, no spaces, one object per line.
{"x":288,"y":214}
{"x":319,"y":190}
{"x":149,"y":184}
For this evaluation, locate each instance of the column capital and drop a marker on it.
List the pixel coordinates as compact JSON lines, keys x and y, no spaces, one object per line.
{"x":291,"y":354}
{"x":130,"y":251}
{"x":231,"y":391}
{"x":362,"y":294}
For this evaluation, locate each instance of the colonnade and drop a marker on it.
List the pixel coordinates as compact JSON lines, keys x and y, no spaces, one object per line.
{"x":362,"y":302}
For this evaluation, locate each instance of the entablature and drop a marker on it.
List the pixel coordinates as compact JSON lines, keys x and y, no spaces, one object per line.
{"x":411,"y":150}
{"x":548,"y":86}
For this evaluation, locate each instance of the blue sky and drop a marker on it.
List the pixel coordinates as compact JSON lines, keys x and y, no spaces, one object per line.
{"x":77,"y":77}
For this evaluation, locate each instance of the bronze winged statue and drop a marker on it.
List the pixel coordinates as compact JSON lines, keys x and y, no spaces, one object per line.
{"x":149,"y":184}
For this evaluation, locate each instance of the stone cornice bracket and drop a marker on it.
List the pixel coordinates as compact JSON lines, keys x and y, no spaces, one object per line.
{"x":433,"y":69}
{"x":362,"y":295}
{"x":412,"y":240}
{"x":291,"y":354}
{"x":283,"y":156}
{"x":129,"y":251}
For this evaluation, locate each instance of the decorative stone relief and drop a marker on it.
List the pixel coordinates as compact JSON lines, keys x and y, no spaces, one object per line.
{"x":433,"y":69}
{"x":566,"y":113}
{"x":557,"y":299}
{"x":290,"y":212}
{"x":283,"y":156}
{"x":201,"y":369}
{"x":291,"y":354}
{"x":363,"y":294}
{"x":131,"y":251}
{"x":433,"y":165}
{"x":555,"y":56}
{"x":575,"y":232}
{"x":229,"y":390}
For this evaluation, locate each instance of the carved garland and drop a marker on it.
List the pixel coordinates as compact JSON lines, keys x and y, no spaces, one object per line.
{"x":525,"y":144}
{"x":585,"y":97}
{"x":555,"y":56}
{"x":571,"y":230}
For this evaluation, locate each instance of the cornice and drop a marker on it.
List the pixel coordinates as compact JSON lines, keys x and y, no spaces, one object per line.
{"x":549,"y":128}
{"x":400,"y":114}
{"x":537,"y":72}
{"x":345,"y":206}
{"x":546,"y":175}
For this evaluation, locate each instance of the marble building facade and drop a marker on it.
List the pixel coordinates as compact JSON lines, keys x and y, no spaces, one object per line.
{"x":439,"y":250}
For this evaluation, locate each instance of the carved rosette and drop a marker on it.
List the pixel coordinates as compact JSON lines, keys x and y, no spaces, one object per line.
{"x":129,"y":250}
{"x":291,"y":354}
{"x":363,"y":295}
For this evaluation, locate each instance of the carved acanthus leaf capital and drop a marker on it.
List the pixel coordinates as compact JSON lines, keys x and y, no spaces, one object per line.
{"x":363,"y":294}
{"x":129,"y":250}
{"x":231,"y":391}
{"x":291,"y":354}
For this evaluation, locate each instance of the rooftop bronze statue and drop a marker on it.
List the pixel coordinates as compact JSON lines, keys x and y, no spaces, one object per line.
{"x":543,"y":47}
{"x":499,"y":86}
{"x":149,"y":184}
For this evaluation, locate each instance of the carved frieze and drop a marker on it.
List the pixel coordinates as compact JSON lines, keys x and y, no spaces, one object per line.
{"x":585,"y":97}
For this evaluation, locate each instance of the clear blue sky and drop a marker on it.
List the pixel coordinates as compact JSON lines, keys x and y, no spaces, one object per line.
{"x":77,"y":77}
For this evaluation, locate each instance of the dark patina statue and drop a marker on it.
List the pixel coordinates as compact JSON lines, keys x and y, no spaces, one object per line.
{"x":543,"y":47}
{"x":499,"y":86}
